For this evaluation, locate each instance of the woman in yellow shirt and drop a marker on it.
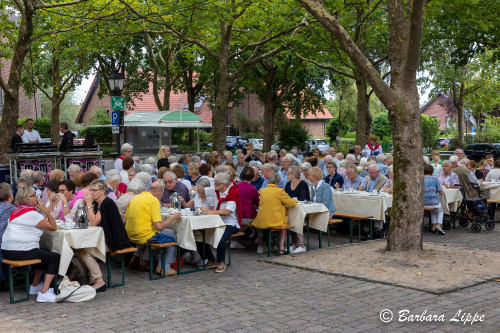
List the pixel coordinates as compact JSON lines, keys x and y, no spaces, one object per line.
{"x":272,"y":212}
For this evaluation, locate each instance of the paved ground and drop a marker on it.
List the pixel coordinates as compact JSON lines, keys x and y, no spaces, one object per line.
{"x":252,"y":296}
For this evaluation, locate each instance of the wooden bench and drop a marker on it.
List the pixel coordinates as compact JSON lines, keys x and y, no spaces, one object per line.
{"x":19,"y":267}
{"x":355,"y":218}
{"x":269,"y":230}
{"x":236,"y":235}
{"x":160,"y":247}
{"x":109,"y":258}
{"x":331,"y":221}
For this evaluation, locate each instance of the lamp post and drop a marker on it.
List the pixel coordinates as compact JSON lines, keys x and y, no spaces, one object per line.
{"x":116,"y":81}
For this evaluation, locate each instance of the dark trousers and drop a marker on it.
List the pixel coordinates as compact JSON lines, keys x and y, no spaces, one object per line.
{"x":50,"y":260}
{"x":208,"y":251}
{"x":221,"y":248}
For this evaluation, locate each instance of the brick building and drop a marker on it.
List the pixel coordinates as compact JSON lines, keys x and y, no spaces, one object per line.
{"x":249,"y":106}
{"x":26,"y":103}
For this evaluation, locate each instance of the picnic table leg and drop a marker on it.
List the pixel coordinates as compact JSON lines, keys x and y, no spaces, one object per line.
{"x":279,"y":243}
{"x":179,"y":260}
{"x":350,"y":230}
{"x":307,"y":219}
{"x":11,"y":286}
{"x":328,"y":234}
{"x":359,"y":230}
{"x":371,"y":229}
{"x":269,"y":242}
{"x":319,"y":233}
{"x":287,"y":241}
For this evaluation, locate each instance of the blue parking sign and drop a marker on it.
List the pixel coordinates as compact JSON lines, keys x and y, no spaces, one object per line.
{"x":115,"y":117}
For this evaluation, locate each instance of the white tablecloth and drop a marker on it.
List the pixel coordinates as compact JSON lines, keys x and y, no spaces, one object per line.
{"x":318,"y":216}
{"x":450,"y":200}
{"x":213,"y":225}
{"x":491,"y":190}
{"x":64,"y":241}
{"x":362,"y":203}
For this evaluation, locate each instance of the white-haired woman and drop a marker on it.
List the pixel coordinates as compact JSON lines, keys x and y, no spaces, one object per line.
{"x":228,"y":206}
{"x":136,"y":186}
{"x":126,"y":150}
{"x":21,"y":241}
{"x":115,"y":186}
{"x":390,"y":181}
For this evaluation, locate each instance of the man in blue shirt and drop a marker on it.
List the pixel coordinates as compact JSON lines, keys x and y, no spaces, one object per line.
{"x":353,"y":181}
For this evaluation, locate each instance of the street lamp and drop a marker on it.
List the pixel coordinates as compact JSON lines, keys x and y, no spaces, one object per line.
{"x":116,"y":80}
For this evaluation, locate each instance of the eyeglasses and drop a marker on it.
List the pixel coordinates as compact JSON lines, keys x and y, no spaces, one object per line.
{"x":165,"y":148}
{"x":217,"y":184}
{"x":61,"y":190}
{"x":94,"y":189}
{"x":170,"y":181}
{"x":32,"y":196}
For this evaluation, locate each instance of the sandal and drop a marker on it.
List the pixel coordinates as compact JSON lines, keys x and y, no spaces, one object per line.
{"x":282,"y":252}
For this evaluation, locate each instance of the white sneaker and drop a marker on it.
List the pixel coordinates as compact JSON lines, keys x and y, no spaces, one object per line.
{"x":299,"y":250}
{"x":261,"y":249}
{"x":36,"y":290}
{"x":292,"y":247}
{"x":48,"y":297}
{"x":236,"y":245}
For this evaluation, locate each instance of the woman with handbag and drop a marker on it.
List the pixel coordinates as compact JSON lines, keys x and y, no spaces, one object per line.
{"x":21,"y":241}
{"x":102,"y":211}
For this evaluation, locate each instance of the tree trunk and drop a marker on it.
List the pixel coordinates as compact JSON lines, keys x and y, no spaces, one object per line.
{"x":401,"y":99}
{"x":364,"y":119}
{"x":459,"y":103}
{"x":407,"y":211}
{"x":269,"y":120}
{"x":11,"y":105}
{"x":54,"y":118}
{"x":219,"y":112}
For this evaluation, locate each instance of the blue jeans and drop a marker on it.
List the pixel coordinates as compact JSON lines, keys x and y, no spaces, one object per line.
{"x":170,"y":256}
{"x":221,"y":248}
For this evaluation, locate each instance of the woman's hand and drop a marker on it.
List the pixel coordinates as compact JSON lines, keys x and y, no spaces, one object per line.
{"x":42,"y":207}
{"x":337,"y":186}
{"x":88,"y":199}
{"x":62,"y":198}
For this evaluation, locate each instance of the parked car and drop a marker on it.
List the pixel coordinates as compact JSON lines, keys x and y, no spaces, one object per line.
{"x":478,"y":151}
{"x":444,"y":142}
{"x":276,"y":147}
{"x":235,"y":142}
{"x":257,"y":143}
{"x":321,"y":144}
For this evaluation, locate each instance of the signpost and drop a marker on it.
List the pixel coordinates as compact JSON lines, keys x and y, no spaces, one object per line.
{"x":118,"y":107}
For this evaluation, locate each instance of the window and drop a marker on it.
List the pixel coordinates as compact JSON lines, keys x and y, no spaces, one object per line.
{"x":450,"y":123}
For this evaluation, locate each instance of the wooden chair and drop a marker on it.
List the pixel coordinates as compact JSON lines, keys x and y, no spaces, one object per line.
{"x":16,"y":268}
{"x":287,"y":228}
{"x":331,"y":221}
{"x":355,"y":218}
{"x":109,"y":258}
{"x":236,"y":235}
{"x":161,"y":247}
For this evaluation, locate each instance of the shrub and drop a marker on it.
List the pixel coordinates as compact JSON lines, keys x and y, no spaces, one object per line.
{"x":332,"y":129}
{"x":292,"y":133}
{"x":101,"y":134}
{"x":42,"y":125}
{"x":430,"y":131}
{"x":381,"y":126}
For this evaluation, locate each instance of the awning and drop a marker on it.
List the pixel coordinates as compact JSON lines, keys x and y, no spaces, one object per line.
{"x":174,"y":119}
